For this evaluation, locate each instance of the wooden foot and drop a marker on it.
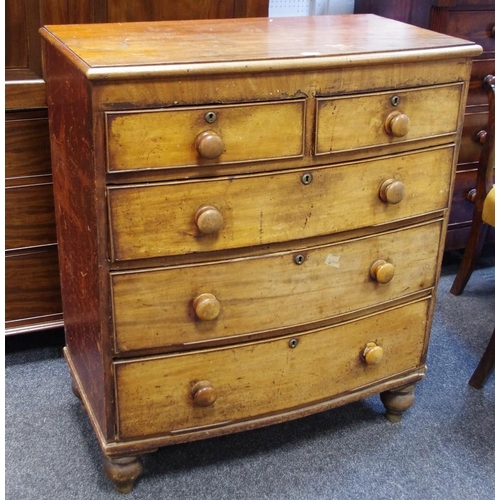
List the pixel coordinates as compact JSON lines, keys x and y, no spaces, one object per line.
{"x":123,"y":472}
{"x":76,"y":392}
{"x":397,"y":401}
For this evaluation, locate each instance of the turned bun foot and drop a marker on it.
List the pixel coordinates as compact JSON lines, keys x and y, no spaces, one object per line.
{"x":77,"y":393}
{"x":397,"y":401}
{"x":123,"y":472}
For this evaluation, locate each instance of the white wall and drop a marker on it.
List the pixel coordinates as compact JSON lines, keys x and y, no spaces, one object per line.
{"x":282,"y":8}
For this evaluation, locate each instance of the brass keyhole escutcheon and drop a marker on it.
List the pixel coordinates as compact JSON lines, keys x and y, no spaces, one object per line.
{"x":395,"y":100}
{"x":293,"y":343}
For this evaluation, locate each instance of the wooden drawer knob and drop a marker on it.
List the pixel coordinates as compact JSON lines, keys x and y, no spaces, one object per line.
{"x":206,"y":307}
{"x":397,"y":124}
{"x":208,"y":219}
{"x":481,"y":136}
{"x":373,"y":353}
{"x":392,"y":191}
{"x":203,"y":393}
{"x":382,"y":271}
{"x":209,"y":145}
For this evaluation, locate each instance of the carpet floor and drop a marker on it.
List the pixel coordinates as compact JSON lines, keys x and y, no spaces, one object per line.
{"x":443,"y":449}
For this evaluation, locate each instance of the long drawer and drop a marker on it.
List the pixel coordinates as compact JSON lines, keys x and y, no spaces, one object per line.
{"x":219,"y":134}
{"x":372,"y":120}
{"x":176,"y":393}
{"x":187,"y":305}
{"x":164,"y":219}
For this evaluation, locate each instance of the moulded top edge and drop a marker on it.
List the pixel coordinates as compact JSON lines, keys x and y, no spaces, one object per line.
{"x":166,"y":47}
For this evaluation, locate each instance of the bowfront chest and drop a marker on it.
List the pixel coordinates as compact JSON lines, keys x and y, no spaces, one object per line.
{"x":251,"y":216}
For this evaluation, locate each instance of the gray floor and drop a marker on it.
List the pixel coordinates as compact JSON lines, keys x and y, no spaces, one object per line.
{"x":443,"y":449}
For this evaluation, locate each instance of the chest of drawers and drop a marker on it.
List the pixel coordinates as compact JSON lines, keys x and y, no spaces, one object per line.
{"x":250,"y":215}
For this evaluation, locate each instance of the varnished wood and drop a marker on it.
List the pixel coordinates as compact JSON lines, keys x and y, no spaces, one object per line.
{"x":154,"y":392}
{"x":27,"y":142}
{"x":123,"y":472}
{"x":32,"y":293}
{"x":373,"y":353}
{"x":485,"y":366}
{"x":144,"y":225}
{"x":182,"y":137}
{"x":484,"y":183}
{"x":426,"y":117}
{"x":472,"y":20}
{"x":397,"y":401}
{"x":202,"y":294}
{"x":272,"y":291}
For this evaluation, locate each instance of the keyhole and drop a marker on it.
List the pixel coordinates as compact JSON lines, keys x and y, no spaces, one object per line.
{"x":395,"y":100}
{"x":293,"y":343}
{"x":210,"y":117}
{"x":299,"y":259}
{"x":307,"y":178}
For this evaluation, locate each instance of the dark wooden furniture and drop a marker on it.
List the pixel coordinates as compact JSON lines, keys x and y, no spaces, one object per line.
{"x":484,"y":213}
{"x":482,"y":197}
{"x":471,"y":20}
{"x":240,"y":212}
{"x":32,"y":292}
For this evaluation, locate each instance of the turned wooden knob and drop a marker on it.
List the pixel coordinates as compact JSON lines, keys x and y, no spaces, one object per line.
{"x":392,"y":191}
{"x":203,"y":393}
{"x":208,"y":219}
{"x":209,"y":145}
{"x":471,"y":195}
{"x":382,"y":271}
{"x":481,"y":136}
{"x":373,"y":353}
{"x":206,"y":307}
{"x":397,"y":124}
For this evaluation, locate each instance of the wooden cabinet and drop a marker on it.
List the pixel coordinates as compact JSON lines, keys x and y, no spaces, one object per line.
{"x":241,"y":221}
{"x":472,"y":20}
{"x":32,"y":295}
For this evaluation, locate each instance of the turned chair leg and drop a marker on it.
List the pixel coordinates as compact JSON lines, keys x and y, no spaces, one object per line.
{"x":472,"y":250}
{"x":485,"y":366}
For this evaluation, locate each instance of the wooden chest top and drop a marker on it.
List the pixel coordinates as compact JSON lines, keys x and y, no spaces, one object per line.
{"x":232,"y":45}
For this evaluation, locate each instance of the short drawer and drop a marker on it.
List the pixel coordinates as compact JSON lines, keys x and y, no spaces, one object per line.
{"x":196,"y":304}
{"x":372,"y":120}
{"x":214,"y":214}
{"x":183,"y":137}
{"x":470,"y":146}
{"x":181,"y":392}
{"x":462,"y":209}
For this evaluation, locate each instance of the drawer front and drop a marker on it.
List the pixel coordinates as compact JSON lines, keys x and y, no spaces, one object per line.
{"x":159,"y":396}
{"x":372,"y":120}
{"x":205,"y":135}
{"x":167,"y":219}
{"x":482,"y":68}
{"x":475,"y":26}
{"x":175,"y":307}
{"x":32,"y":285}
{"x":27,"y":148}
{"x":470,"y":146}
{"x":461,"y":208}
{"x":29,"y":216}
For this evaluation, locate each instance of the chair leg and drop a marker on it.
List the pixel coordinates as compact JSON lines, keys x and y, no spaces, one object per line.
{"x":485,"y":366}
{"x":472,"y":250}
